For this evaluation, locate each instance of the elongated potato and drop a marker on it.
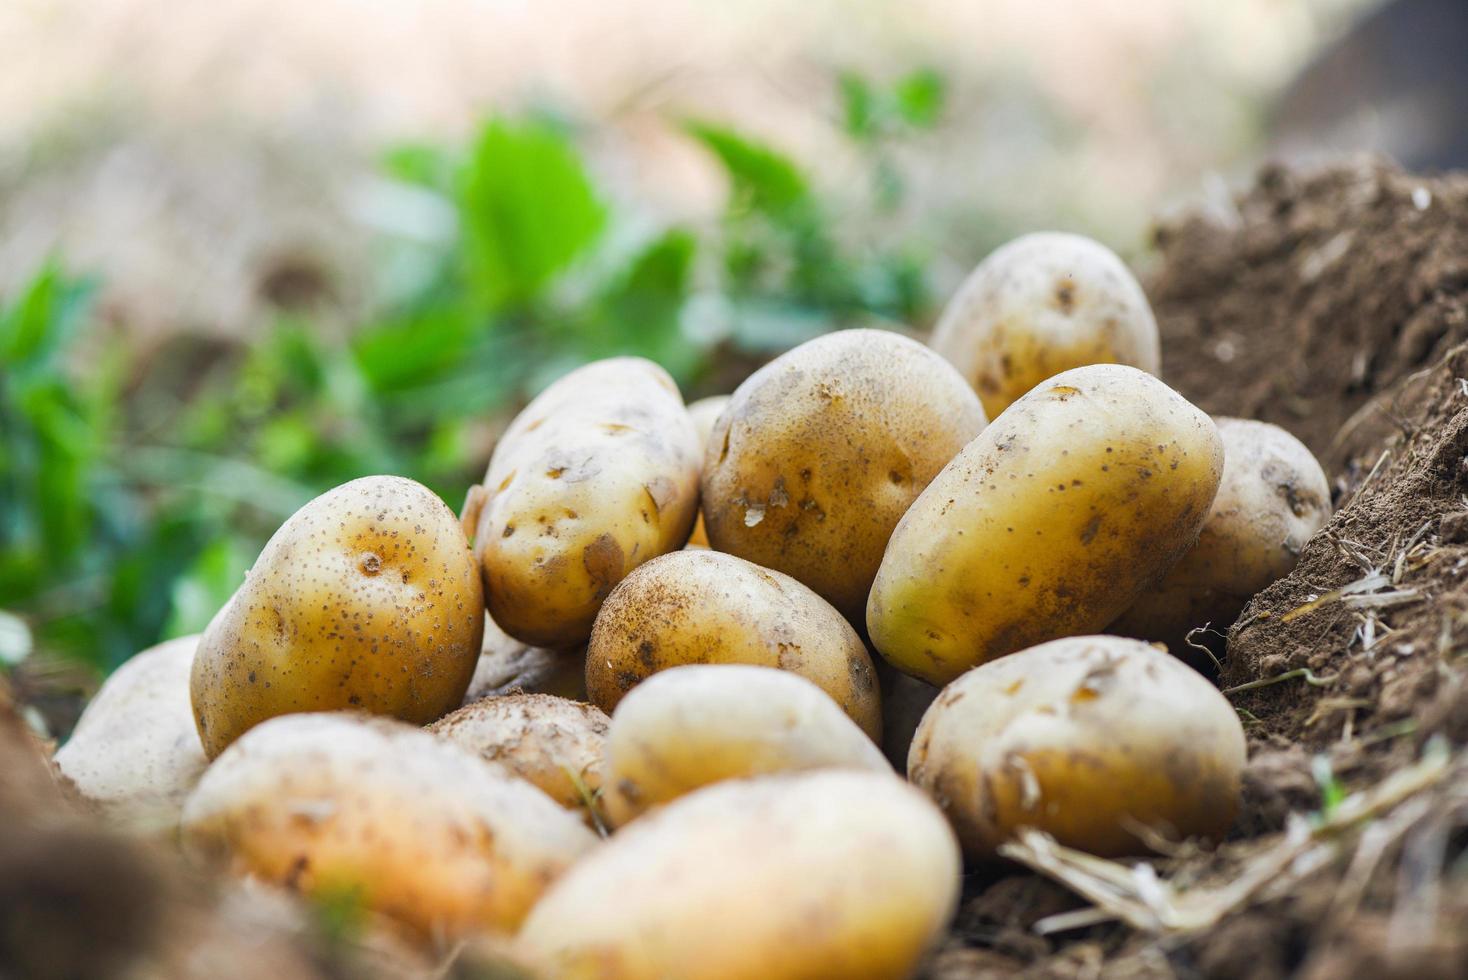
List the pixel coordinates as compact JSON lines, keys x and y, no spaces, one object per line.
{"x":416,"y":828}
{"x":820,"y":452}
{"x":1088,"y":738}
{"x":507,"y":665}
{"x":597,"y":475}
{"x":796,"y":877}
{"x":1050,"y":524}
{"x":135,"y":752}
{"x":705,"y":413}
{"x":691,"y":726}
{"x":1273,"y":497}
{"x":1040,"y":305}
{"x":366,"y":598}
{"x":706,"y":607}
{"x":555,"y":744}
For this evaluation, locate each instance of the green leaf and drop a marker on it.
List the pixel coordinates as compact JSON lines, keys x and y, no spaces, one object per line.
{"x":206,"y":586}
{"x":641,"y":313}
{"x":858,"y":103}
{"x":421,"y":164}
{"x":920,"y":97}
{"x":763,"y":179}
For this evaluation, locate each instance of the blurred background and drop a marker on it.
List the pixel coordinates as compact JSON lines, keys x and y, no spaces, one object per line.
{"x":251,"y":249}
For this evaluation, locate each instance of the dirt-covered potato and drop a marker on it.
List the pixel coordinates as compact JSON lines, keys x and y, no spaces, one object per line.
{"x":1089,"y":738}
{"x":1273,"y":497}
{"x":413,"y":827}
{"x":598,"y":474}
{"x":367,"y":598}
{"x":135,"y":753}
{"x":555,"y":743}
{"x":820,"y":452}
{"x":1049,"y":524}
{"x":691,"y":726}
{"x":706,"y":607}
{"x":506,"y":665}
{"x":794,"y":877}
{"x":1042,"y":304}
{"x":705,"y":412}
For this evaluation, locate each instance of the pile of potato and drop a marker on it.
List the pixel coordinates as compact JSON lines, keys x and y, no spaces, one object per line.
{"x":655,"y":743}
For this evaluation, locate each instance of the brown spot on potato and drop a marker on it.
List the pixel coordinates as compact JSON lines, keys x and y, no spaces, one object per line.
{"x":604,"y":562}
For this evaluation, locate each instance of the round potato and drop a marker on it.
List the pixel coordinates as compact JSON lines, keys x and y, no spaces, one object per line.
{"x":366,"y":598}
{"x":413,"y":827}
{"x":820,"y":452}
{"x":691,"y":726}
{"x":705,"y":412}
{"x":135,"y":753}
{"x":1091,"y":739}
{"x":706,"y":607}
{"x":597,"y":475}
{"x":1050,"y":524}
{"x":1043,"y":304}
{"x":507,"y":665}
{"x":1273,"y":497}
{"x":554,"y":743}
{"x":794,"y":877}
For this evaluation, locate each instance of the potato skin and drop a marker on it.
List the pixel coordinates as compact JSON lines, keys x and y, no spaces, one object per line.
{"x":1042,"y":304}
{"x":820,"y":452}
{"x":366,"y":598}
{"x":796,"y":877}
{"x":135,"y":752}
{"x":691,"y":726}
{"x":507,"y":665}
{"x":706,"y":607}
{"x":1083,"y":738}
{"x":424,"y":831}
{"x":598,"y":474}
{"x":1273,"y":497}
{"x":1049,"y":524}
{"x":705,"y":413}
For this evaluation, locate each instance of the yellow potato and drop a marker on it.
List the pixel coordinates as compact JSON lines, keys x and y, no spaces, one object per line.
{"x":1088,"y":738}
{"x":135,"y":753}
{"x":1040,"y":305}
{"x":412,"y":827}
{"x":507,"y":665}
{"x":796,"y":877}
{"x":553,"y":743}
{"x":366,"y":598}
{"x":1050,"y":524}
{"x":820,"y":452}
{"x":706,"y":607}
{"x":597,"y":475}
{"x":705,"y":412}
{"x":691,"y":726}
{"x":1273,"y":497}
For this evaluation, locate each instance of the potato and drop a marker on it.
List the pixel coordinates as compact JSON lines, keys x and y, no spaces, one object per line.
{"x":506,"y":665}
{"x":794,"y":877}
{"x":691,"y":726}
{"x":413,"y":827}
{"x":1273,"y":497}
{"x":366,"y":598}
{"x":705,"y":412}
{"x":821,"y":451}
{"x":553,"y":743}
{"x":1088,"y":738}
{"x":706,"y":607}
{"x":597,"y":475}
{"x":1049,"y":524}
{"x":135,"y":753}
{"x":1040,"y":305}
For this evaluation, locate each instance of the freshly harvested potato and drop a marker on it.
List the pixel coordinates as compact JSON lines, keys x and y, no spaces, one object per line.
{"x":507,"y":665}
{"x":706,"y":607}
{"x":366,"y":598}
{"x":820,"y":452}
{"x":1049,"y":524}
{"x":415,"y":828}
{"x":554,"y":743}
{"x":691,"y":726}
{"x":1040,"y":305}
{"x":135,"y":753}
{"x":597,"y":475}
{"x":1273,"y":497}
{"x":793,"y":877}
{"x":1089,"y":738}
{"x":705,"y":412}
